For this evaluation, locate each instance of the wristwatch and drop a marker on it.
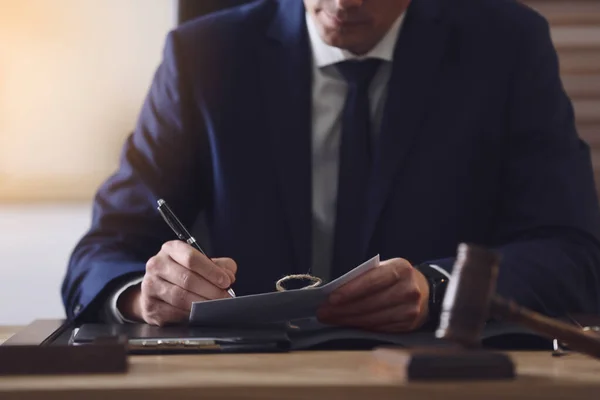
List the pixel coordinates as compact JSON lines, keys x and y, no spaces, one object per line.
{"x":438,"y":282}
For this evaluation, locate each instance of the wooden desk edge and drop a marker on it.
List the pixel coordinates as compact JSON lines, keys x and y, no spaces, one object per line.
{"x":571,"y":385}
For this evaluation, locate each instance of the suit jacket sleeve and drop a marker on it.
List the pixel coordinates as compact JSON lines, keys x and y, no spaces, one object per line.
{"x":548,"y":226}
{"x":160,"y":159}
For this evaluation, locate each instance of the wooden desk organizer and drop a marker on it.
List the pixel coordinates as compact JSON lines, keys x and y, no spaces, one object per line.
{"x":32,"y":351}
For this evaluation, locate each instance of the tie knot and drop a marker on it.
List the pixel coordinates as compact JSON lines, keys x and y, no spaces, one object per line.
{"x":360,"y":73}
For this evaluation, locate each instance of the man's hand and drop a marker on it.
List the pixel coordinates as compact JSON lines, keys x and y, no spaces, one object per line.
{"x":390,"y":298}
{"x":177,"y":276}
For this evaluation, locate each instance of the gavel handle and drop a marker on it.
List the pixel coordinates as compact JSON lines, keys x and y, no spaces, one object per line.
{"x":575,"y":338}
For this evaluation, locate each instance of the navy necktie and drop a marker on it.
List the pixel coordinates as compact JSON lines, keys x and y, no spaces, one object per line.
{"x":356,"y":156}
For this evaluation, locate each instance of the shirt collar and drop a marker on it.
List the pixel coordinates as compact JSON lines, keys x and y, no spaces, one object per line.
{"x":324,"y":54}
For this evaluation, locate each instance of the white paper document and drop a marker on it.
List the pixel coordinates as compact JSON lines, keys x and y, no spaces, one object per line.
{"x":274,"y":307}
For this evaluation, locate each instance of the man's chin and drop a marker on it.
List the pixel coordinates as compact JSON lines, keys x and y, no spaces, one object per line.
{"x":346,"y":42}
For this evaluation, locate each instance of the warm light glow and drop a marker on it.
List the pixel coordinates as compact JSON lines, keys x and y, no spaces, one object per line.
{"x":73,"y":74}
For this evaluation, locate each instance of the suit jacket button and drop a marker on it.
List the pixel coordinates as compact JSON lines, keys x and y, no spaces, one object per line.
{"x":77,"y":309}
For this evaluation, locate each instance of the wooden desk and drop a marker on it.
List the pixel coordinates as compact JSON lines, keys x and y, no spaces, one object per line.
{"x":303,"y":375}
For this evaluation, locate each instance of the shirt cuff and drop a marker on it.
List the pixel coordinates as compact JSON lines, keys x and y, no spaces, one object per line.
{"x":113,"y":300}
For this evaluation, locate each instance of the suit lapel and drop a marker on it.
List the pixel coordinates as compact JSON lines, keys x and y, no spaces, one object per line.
{"x":286,"y":83}
{"x":417,"y":59}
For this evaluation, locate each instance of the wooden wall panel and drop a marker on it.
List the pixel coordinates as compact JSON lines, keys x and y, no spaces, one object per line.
{"x":575,"y":28}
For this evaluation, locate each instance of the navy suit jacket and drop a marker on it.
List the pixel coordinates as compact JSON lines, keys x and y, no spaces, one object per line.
{"x":478,"y":145}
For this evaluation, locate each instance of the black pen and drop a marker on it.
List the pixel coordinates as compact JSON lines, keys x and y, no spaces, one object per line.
{"x":180,"y":230}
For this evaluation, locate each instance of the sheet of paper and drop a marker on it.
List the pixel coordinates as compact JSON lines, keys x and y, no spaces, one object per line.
{"x":271,"y":307}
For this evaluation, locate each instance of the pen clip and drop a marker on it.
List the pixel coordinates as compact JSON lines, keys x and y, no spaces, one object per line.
{"x":171,"y":225}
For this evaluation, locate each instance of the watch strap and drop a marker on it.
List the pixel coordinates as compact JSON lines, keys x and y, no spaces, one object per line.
{"x":438,"y":282}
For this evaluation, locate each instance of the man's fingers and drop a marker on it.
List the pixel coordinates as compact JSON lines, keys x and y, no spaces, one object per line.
{"x":180,"y":298}
{"x":402,"y":293}
{"x":228,"y":265}
{"x":378,"y":279}
{"x":156,"y":287}
{"x":188,"y":280}
{"x":190,"y":258}
{"x":157,"y":312}
{"x":178,"y":276}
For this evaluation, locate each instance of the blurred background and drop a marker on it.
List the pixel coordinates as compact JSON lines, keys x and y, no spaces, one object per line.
{"x":73,"y":75}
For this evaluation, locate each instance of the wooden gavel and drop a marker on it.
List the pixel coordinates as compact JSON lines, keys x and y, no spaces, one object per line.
{"x":470,"y":300}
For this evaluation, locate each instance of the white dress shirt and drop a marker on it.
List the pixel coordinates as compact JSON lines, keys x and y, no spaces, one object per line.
{"x":328,"y":97}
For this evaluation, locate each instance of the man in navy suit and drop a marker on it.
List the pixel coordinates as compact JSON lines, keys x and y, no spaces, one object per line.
{"x":314,"y":136}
